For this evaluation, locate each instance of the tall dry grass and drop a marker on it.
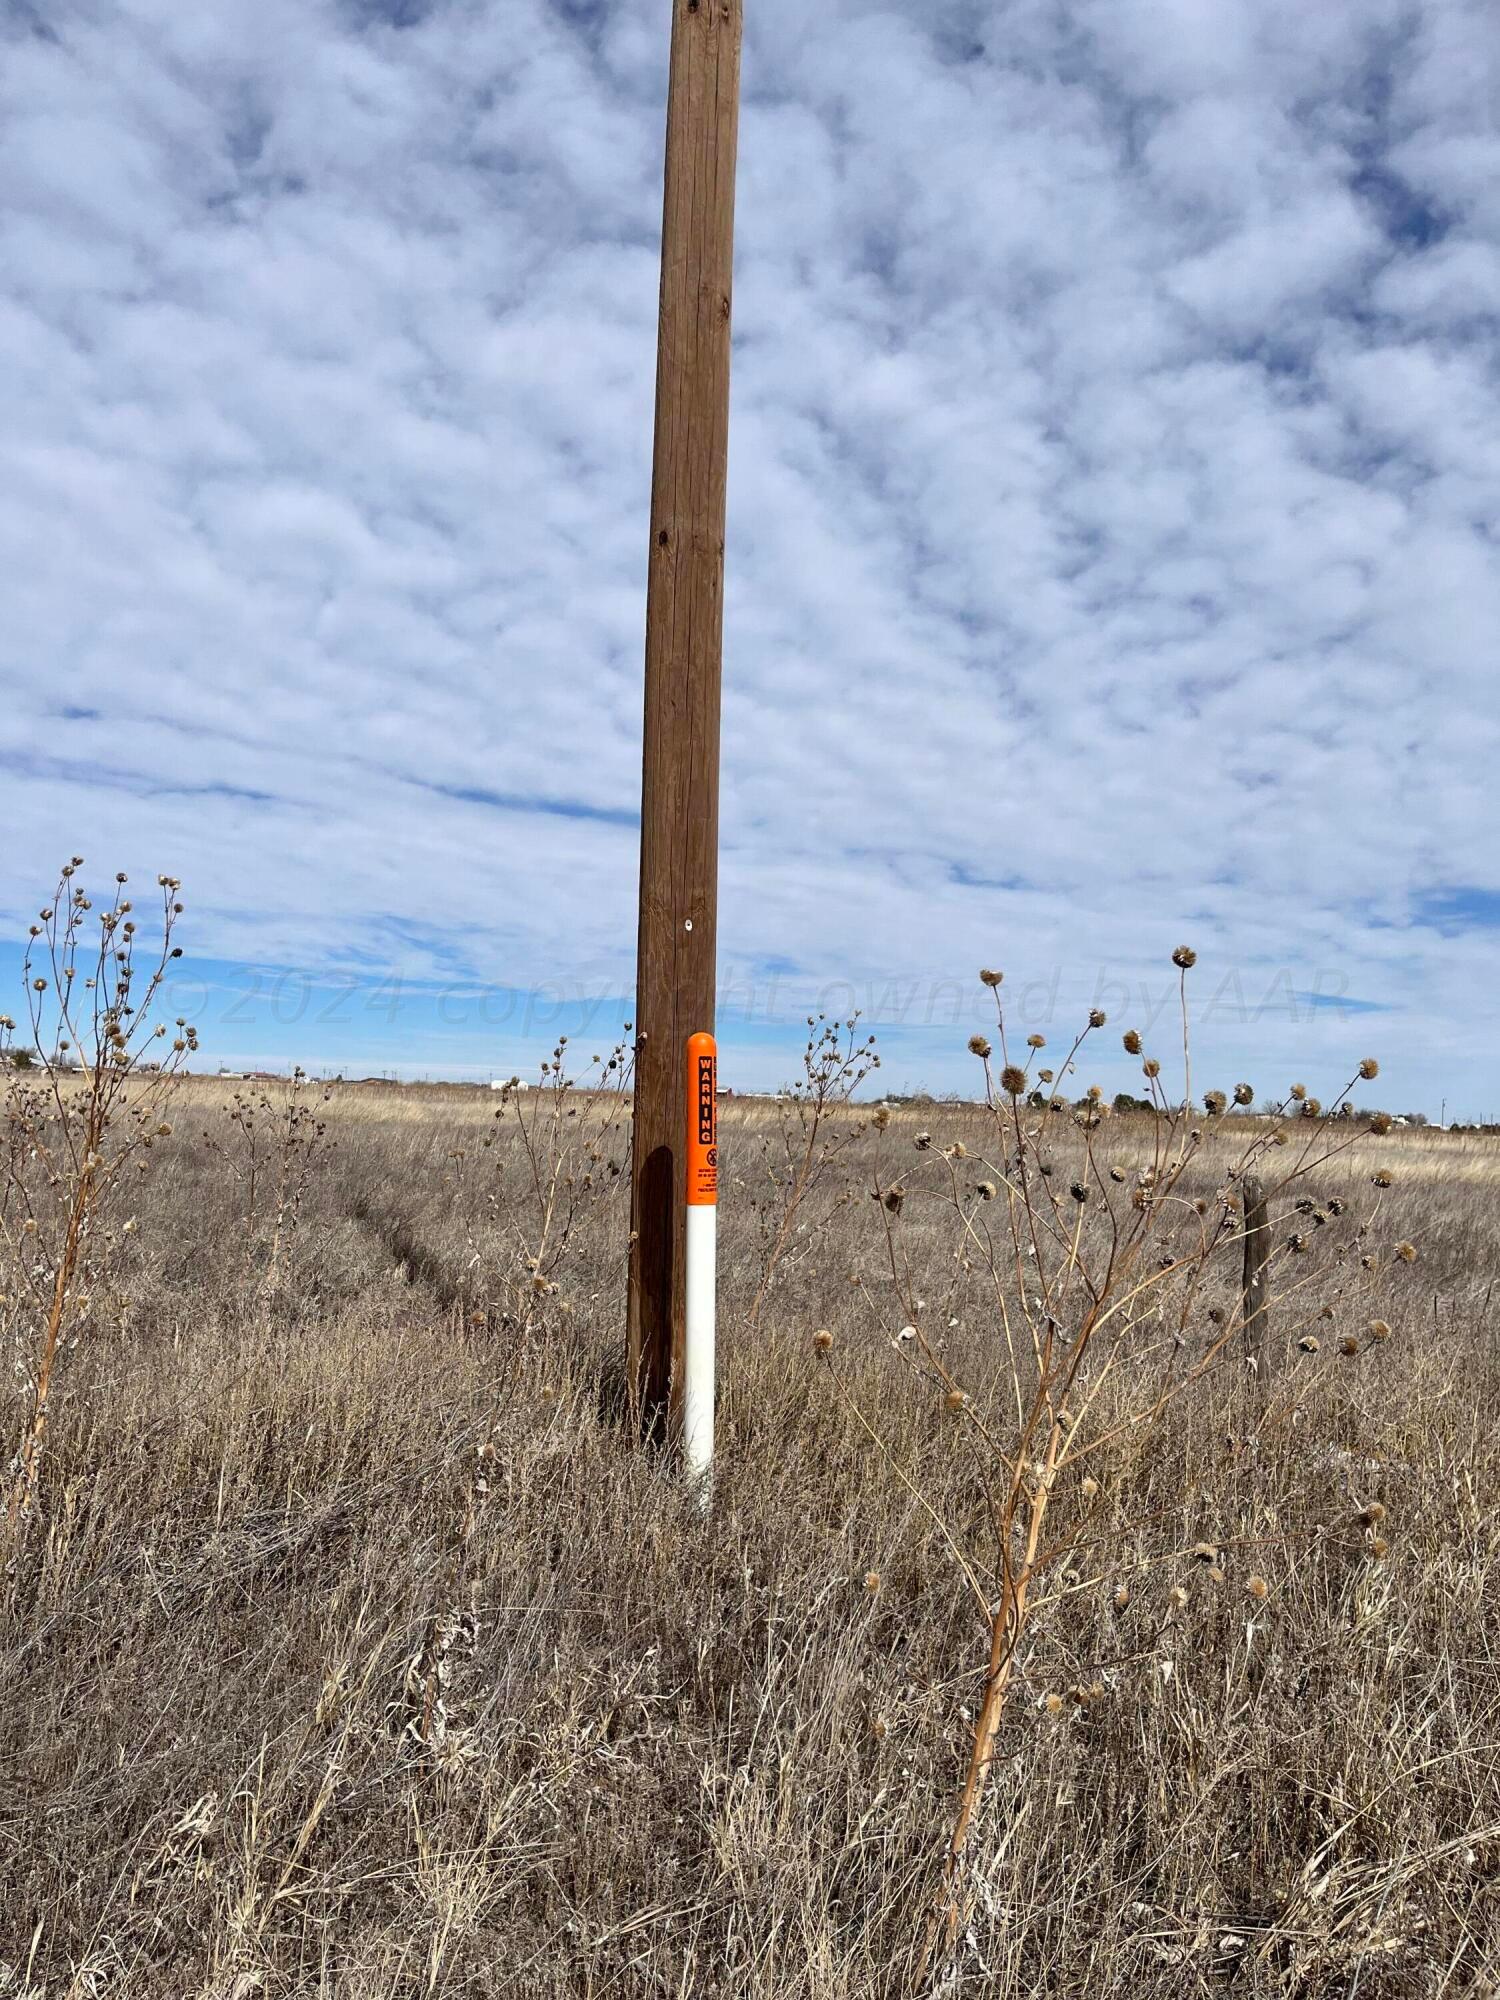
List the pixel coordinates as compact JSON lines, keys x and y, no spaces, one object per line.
{"x":360,"y":1651}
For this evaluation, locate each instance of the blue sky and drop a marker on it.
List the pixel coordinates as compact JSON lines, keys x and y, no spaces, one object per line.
{"x":1112,"y":534}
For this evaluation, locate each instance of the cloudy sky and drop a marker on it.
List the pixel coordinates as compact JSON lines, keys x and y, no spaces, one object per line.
{"x":1112,"y":547}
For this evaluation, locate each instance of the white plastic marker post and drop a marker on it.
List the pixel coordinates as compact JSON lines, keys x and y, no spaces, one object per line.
{"x":702,"y":1196}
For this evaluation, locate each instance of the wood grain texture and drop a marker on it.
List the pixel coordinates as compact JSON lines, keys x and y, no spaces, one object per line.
{"x":677,"y":941}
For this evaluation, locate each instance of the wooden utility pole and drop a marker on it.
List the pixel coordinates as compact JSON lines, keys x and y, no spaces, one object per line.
{"x":676,"y":950}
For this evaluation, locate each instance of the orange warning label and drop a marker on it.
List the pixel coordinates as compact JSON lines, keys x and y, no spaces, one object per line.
{"x":702,"y":1121}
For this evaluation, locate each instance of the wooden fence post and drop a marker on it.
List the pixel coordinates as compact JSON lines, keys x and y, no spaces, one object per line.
{"x":1255,"y":1327}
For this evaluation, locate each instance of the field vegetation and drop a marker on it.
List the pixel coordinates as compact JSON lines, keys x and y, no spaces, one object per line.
{"x":351,"y":1644}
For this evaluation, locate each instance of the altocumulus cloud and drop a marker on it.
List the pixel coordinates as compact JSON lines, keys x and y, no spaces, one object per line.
{"x":1113,"y":498}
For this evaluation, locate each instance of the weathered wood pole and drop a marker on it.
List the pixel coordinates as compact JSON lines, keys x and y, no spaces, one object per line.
{"x":1255,"y":1322}
{"x":676,"y":950}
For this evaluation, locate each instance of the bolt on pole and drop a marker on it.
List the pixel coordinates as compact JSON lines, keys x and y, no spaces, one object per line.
{"x":676,"y":947}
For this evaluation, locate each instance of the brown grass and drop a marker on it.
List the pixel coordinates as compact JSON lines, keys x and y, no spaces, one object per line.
{"x":360,"y":1652}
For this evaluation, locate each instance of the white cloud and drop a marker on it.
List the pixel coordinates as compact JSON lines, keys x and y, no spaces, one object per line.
{"x":1111,"y":546}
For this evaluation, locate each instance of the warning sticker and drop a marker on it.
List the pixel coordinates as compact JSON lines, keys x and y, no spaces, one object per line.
{"x":702,"y":1121}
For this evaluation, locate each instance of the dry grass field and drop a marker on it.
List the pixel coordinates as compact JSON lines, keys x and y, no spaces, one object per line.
{"x":356,"y":1649}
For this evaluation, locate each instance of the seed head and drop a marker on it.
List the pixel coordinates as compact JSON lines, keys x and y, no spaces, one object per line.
{"x":1132,"y":1042}
{"x":1177,"y":1597}
{"x":1078,"y":1191}
{"x":1368,"y":1516}
{"x":1407,"y":1252}
{"x":1097,"y":1017}
{"x":1379,"y":1329}
{"x":1151,"y":1067}
{"x":1215,"y":1103}
{"x":1369,"y":1069}
{"x":1121,"y":1598}
{"x":978,"y":1046}
{"x":1381,"y":1123}
{"x":1053,"y":1703}
{"x":1089,"y":1488}
{"x":990,"y":977}
{"x":894,"y":1196}
{"x":954,"y":1400}
{"x":1298,"y":1091}
{"x":1243,"y":1094}
{"x":1205,"y":1552}
{"x":1184,"y":958}
{"x":823,"y":1339}
{"x":985,"y":1190}
{"x":1036,"y":1041}
{"x":1381,"y":1178}
{"x":1012,"y":1080}
{"x":1258,"y":1587}
{"x":872,"y":1582}
{"x":1348,"y":1345}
